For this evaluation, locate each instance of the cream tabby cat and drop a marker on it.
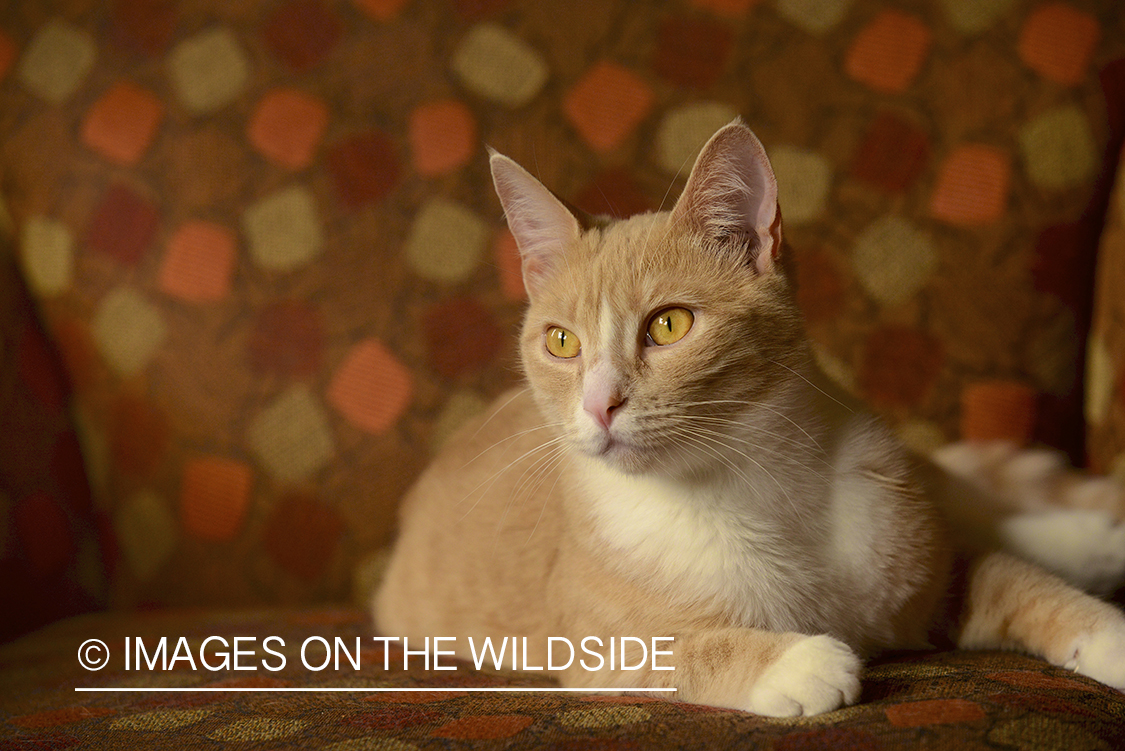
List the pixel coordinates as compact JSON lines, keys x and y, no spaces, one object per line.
{"x":678,"y":468}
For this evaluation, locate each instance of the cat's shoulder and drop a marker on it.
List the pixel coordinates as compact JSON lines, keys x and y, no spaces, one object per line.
{"x":509,"y":427}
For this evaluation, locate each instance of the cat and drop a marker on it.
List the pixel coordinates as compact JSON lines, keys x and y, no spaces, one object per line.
{"x":677,"y":467}
{"x":1032,"y":504}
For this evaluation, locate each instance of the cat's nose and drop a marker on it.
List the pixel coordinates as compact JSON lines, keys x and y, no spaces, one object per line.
{"x":602,"y":406}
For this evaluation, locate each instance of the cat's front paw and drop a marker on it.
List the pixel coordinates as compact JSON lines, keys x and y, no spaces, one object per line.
{"x":817,"y":674}
{"x":1101,"y":655}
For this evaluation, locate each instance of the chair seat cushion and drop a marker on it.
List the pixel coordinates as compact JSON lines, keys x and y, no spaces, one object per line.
{"x":962,"y":700}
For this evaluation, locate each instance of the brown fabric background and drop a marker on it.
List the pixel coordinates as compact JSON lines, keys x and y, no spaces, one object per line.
{"x":263,"y":238}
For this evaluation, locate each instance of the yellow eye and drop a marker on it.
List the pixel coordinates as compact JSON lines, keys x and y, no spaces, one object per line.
{"x":562,"y":343}
{"x":669,"y":326}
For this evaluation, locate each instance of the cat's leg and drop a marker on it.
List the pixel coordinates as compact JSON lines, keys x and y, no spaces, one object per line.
{"x":764,"y":672}
{"x":1012,"y":604}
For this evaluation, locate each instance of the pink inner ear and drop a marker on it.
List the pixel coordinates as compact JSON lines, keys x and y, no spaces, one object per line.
{"x":535,"y":271}
{"x":541,"y":225}
{"x":732,"y":192}
{"x":765,"y":262}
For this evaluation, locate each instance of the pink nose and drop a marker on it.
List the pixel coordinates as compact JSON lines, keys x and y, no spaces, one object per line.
{"x":601,"y":406}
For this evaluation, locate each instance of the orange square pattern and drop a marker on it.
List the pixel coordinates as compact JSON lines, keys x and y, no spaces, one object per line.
{"x":972,"y":186}
{"x":607,"y":104}
{"x":287,"y":127}
{"x":372,"y":388}
{"x":443,"y":136}
{"x":917,"y":714}
{"x":888,"y":53}
{"x":483,"y":727}
{"x":998,"y":411}
{"x":214,"y":497}
{"x":122,"y":123}
{"x":198,"y":262}
{"x":1057,"y":41}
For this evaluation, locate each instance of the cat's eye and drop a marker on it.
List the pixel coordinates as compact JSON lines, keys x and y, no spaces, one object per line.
{"x":562,"y":343}
{"x":669,"y":326}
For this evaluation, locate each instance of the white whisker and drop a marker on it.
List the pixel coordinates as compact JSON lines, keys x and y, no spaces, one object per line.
{"x":531,"y":473}
{"x":511,"y":437}
{"x":500,"y":409}
{"x":723,"y":421}
{"x":762,"y":405}
{"x":712,"y":436}
{"x":546,"y":497}
{"x":786,"y":457}
{"x":806,"y":380}
{"x":491,"y":479}
{"x":713,"y":452}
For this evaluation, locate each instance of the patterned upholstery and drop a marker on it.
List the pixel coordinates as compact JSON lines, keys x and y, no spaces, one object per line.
{"x":953,"y":700}
{"x":262,"y":237}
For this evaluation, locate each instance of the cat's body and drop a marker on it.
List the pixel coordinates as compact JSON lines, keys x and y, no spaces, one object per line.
{"x":679,"y":469}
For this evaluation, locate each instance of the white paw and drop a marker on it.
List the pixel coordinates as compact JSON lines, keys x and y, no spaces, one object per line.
{"x":1101,"y":655}
{"x":817,"y":674}
{"x":1087,"y":548}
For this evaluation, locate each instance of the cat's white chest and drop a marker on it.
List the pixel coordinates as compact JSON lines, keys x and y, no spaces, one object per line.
{"x":697,"y":544}
{"x":655,"y":522}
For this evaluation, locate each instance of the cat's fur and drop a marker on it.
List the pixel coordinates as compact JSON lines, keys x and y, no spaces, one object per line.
{"x":714,"y":490}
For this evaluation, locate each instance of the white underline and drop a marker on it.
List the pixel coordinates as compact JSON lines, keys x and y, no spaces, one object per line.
{"x":309,"y":689}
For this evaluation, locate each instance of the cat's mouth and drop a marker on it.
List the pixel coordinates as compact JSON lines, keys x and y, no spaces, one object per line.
{"x":605,"y":444}
{"x":613,"y":446}
{"x":620,"y":453}
{"x":652,"y":453}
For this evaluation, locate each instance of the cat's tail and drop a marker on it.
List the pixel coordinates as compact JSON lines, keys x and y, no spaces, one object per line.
{"x":1027,"y":480}
{"x":1032,"y":504}
{"x":1012,"y":604}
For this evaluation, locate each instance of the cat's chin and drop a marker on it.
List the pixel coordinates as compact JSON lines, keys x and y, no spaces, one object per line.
{"x":630,"y":458}
{"x":618,"y":454}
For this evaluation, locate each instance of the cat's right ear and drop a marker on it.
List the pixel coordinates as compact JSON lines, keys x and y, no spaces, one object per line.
{"x":731,"y":196}
{"x":542,"y":225}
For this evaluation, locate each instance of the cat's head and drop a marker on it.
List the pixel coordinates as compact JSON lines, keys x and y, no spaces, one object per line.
{"x":644,"y":338}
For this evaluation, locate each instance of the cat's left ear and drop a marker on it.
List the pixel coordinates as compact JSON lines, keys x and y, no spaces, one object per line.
{"x":731,"y":196}
{"x":543,"y":226}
